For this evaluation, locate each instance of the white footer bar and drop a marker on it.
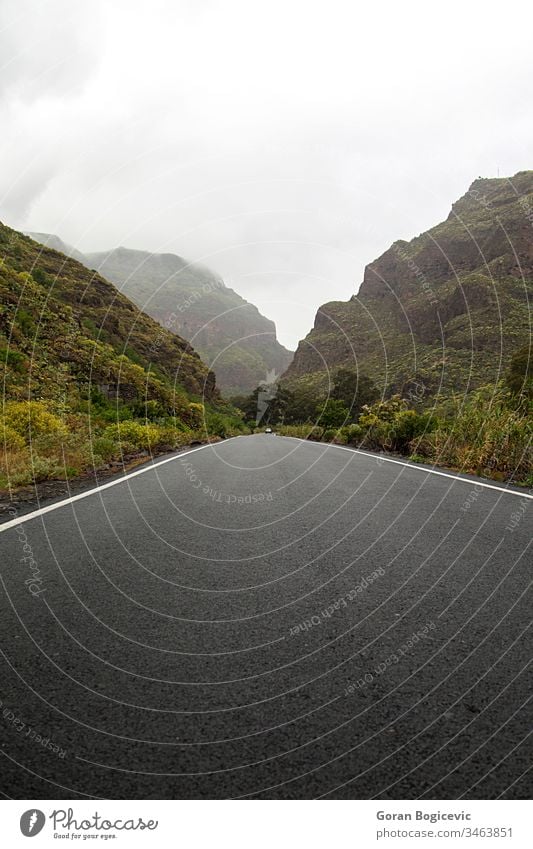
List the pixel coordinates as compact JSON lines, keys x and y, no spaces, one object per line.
{"x":255,"y":824}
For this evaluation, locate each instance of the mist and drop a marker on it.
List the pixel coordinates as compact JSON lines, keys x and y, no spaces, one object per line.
{"x":284,"y":145}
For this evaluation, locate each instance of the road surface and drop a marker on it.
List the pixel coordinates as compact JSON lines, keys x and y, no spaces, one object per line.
{"x":269,"y":618}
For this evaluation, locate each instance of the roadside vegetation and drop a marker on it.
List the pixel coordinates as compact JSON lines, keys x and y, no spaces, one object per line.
{"x":43,"y":441}
{"x":89,"y":381}
{"x":489,"y":432}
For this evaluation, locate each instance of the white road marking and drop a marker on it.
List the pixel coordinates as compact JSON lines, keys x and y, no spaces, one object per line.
{"x":418,"y":468}
{"x":35,"y":513}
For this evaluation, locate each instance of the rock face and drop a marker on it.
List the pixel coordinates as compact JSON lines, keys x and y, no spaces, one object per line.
{"x":230,"y":334}
{"x":445,"y":311}
{"x":64,"y":326}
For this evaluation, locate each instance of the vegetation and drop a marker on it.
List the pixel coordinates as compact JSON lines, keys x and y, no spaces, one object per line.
{"x":87,"y":379}
{"x":190,"y":300}
{"x":520,"y":375}
{"x":349,"y":393}
{"x":443,"y":313}
{"x":489,"y":433}
{"x":354,"y":390}
{"x":443,"y":326}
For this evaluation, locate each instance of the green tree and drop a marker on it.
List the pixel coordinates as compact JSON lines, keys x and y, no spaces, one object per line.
{"x":247,"y":404}
{"x":333,"y":414}
{"x":354,"y":390}
{"x":300,"y":406}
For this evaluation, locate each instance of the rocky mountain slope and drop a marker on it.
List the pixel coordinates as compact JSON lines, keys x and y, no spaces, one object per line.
{"x":439,"y":314}
{"x":66,"y":332}
{"x":230,"y":334}
{"x":57,"y":244}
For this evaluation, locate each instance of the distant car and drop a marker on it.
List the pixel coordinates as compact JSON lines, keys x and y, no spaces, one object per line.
{"x":268,"y":430}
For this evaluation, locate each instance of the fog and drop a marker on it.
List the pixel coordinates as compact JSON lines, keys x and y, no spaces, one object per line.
{"x":285,"y":144}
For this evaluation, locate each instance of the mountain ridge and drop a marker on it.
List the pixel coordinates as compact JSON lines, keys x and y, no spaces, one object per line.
{"x":229,"y":333}
{"x":445,"y":310}
{"x":68,"y":307}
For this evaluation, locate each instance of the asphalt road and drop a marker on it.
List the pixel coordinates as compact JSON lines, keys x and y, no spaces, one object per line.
{"x":269,"y":618}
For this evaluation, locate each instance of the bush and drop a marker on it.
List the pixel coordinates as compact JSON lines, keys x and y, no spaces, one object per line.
{"x":391,"y":426}
{"x":298,"y":431}
{"x":14,"y":468}
{"x":45,"y":468}
{"x":353,"y":435}
{"x":40,"y":276}
{"x":519,"y":377}
{"x":20,"y":469}
{"x":217,"y":425}
{"x":105,"y":448}
{"x":150,"y":410}
{"x":133,"y":436}
{"x":194,"y":416}
{"x":332,"y":414}
{"x":11,"y":440}
{"x":485,"y":435}
{"x":406,"y":426}
{"x":171,"y":437}
{"x":31,"y":419}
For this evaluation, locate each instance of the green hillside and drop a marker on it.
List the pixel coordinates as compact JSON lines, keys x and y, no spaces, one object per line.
{"x":433,"y":357}
{"x":444,"y":312}
{"x":86,"y":376}
{"x":229,"y":333}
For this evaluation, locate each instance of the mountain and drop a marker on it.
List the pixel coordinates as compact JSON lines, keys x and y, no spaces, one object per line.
{"x":442,"y":313}
{"x":229,"y":333}
{"x":65,"y":331}
{"x":57,"y":244}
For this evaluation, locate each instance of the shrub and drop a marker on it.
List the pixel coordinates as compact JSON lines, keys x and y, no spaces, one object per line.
{"x":133,"y":436}
{"x":105,"y":448}
{"x":354,"y":434}
{"x":217,"y":425}
{"x":14,"y":468}
{"x":194,"y":416}
{"x":40,"y":276}
{"x":11,"y":440}
{"x":391,"y":426}
{"x":45,"y":468}
{"x":31,"y":419}
{"x":519,"y":377}
{"x":406,"y":426}
{"x":171,"y":437}
{"x":150,"y":410}
{"x":340,"y":437}
{"x":382,"y":411}
{"x":20,"y":469}
{"x":299,"y":431}
{"x":333,"y":414}
{"x":486,"y":435}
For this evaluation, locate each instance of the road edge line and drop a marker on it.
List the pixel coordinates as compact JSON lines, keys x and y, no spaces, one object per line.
{"x":11,"y":523}
{"x":416,"y":467}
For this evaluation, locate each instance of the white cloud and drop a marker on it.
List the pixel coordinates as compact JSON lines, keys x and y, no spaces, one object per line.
{"x":285,"y":144}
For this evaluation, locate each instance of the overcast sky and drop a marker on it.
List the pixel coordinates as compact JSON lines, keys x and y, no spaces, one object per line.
{"x":285,"y":144}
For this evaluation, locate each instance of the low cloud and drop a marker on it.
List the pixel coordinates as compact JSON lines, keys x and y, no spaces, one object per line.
{"x":284,"y":145}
